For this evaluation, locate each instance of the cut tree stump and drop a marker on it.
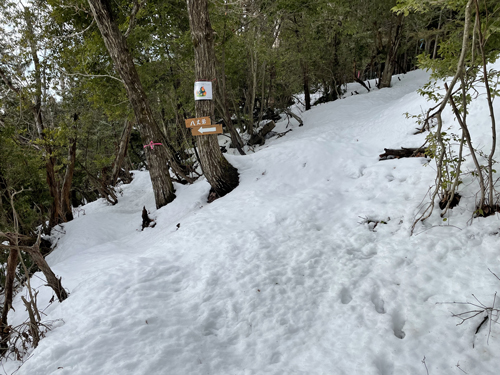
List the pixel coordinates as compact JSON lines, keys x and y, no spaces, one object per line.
{"x":146,"y":221}
{"x":403,"y":153}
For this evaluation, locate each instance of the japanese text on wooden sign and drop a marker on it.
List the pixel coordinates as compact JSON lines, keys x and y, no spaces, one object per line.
{"x":203,"y":126}
{"x":200,"y":121}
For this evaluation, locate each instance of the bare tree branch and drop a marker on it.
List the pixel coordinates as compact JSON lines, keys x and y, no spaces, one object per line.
{"x":137,"y":6}
{"x":75,"y":34}
{"x":91,"y":75}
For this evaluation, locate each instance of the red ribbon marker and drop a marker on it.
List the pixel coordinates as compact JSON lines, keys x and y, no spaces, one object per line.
{"x":151,"y":144}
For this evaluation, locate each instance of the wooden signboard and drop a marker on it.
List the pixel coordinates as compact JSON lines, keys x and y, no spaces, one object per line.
{"x":200,"y":121}
{"x":204,"y":130}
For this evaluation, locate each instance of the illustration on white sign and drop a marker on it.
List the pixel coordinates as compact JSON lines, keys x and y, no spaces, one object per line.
{"x":203,"y":90}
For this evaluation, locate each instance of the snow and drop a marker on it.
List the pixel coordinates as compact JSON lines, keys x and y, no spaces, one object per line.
{"x":287,"y":274}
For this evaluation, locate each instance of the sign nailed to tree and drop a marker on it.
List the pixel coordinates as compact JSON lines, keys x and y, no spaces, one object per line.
{"x":203,"y":130}
{"x":200,"y":121}
{"x":203,"y":90}
{"x":202,"y":126}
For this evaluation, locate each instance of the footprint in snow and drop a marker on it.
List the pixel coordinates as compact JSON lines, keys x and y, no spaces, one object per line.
{"x":345,"y":296}
{"x":276,"y":357}
{"x":378,"y":302}
{"x":383,"y":366}
{"x":398,"y":323}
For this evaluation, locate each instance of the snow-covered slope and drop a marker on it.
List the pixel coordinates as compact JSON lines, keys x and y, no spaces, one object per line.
{"x":284,"y":275}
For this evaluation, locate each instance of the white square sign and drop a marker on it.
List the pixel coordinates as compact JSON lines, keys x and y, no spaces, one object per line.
{"x":203,"y":90}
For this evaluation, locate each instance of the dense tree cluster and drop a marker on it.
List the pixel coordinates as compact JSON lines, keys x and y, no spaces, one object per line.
{"x":85,"y":84}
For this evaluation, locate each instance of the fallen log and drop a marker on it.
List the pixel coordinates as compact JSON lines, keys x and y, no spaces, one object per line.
{"x":36,"y":255}
{"x":403,"y":153}
{"x":260,"y":137}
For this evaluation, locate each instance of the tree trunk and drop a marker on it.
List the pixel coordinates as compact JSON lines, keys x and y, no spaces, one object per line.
{"x":158,"y":156}
{"x":34,"y":323}
{"x":305,"y":81}
{"x":252,"y":83}
{"x":52,"y":280}
{"x":102,"y":185}
{"x":263,"y":92}
{"x":220,"y":174}
{"x":58,"y":212}
{"x":304,"y":67}
{"x":66,"y":186}
{"x":489,"y":98}
{"x":434,"y":53}
{"x":55,"y":208}
{"x":122,"y":152}
{"x":386,"y":78}
{"x":270,"y":101}
{"x":223,"y":100}
{"x":392,"y":51}
{"x":224,"y":106}
{"x":9,"y":291}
